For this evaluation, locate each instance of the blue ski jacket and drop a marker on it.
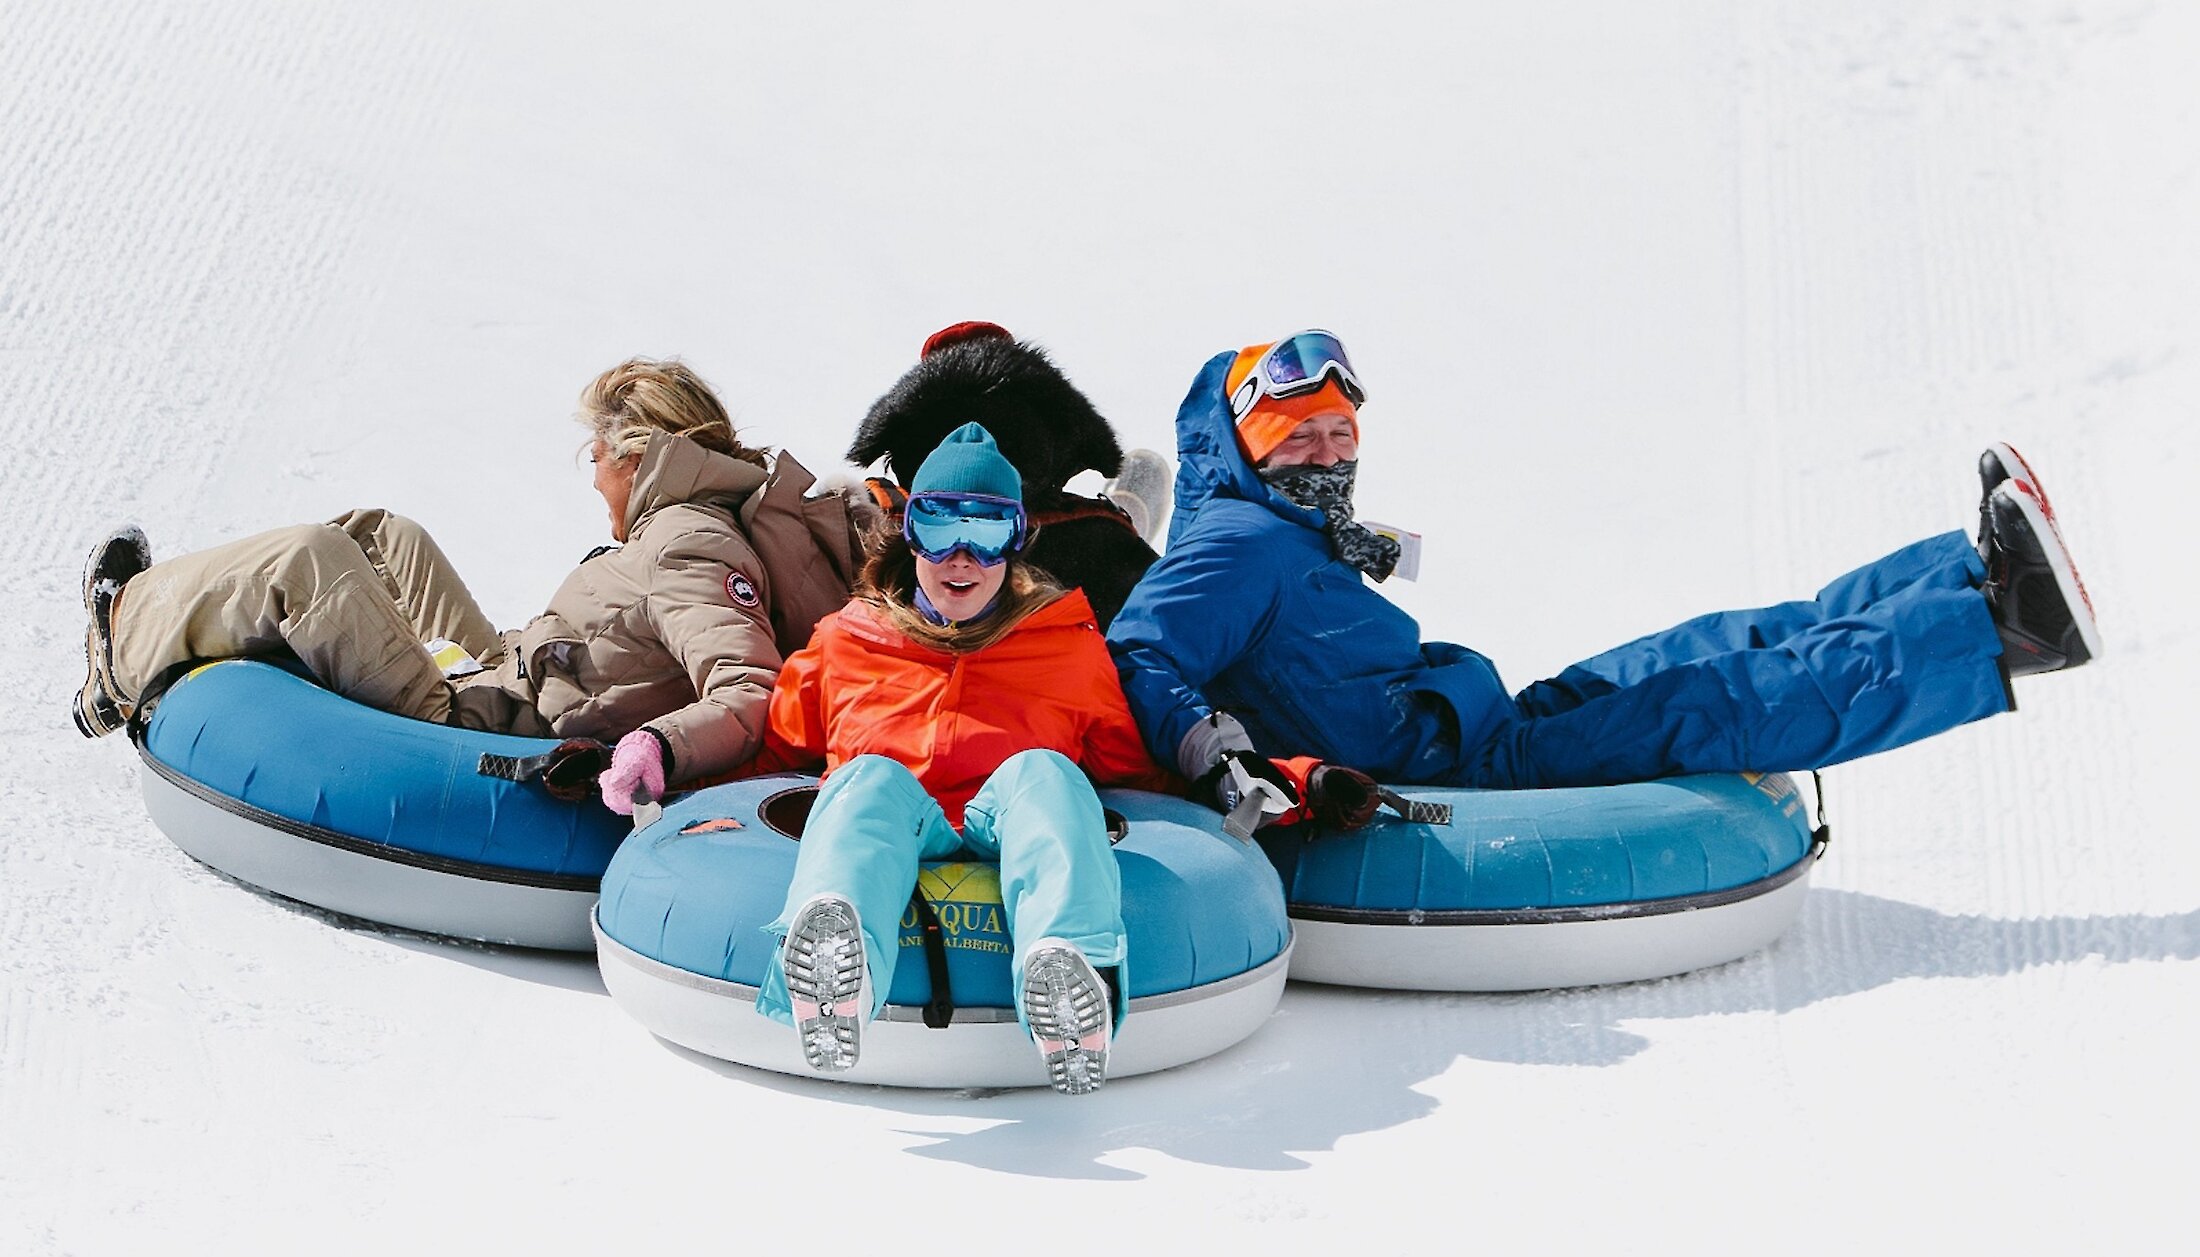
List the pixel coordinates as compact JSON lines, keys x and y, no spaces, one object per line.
{"x":1248,"y":612}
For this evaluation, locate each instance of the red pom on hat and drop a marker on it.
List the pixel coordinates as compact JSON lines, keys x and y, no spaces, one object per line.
{"x":957,"y":333}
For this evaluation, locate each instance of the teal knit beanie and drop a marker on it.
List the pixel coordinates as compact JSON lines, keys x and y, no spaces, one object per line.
{"x":967,"y":461}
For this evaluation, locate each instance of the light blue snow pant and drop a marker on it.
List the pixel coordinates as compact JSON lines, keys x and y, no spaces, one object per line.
{"x":1037,"y":814}
{"x":1897,"y":650}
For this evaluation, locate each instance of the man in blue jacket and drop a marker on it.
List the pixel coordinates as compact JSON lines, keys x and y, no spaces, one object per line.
{"x":1255,"y":636}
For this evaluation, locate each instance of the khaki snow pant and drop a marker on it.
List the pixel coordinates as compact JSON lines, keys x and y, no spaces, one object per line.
{"x":354,"y":599}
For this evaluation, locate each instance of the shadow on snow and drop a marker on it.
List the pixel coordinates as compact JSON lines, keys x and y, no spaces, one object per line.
{"x":1337,"y":1061}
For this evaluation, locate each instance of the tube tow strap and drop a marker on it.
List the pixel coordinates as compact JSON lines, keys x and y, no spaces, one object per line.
{"x":939,"y":1010}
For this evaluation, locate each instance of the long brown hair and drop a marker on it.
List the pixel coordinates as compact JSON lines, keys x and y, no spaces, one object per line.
{"x":888,"y":581}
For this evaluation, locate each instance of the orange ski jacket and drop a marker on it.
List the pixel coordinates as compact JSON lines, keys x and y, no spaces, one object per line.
{"x":862,"y":687}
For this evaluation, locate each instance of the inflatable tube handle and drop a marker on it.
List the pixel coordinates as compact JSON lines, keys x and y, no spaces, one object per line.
{"x":512,"y":767}
{"x":1415,"y":811}
{"x":568,"y":770}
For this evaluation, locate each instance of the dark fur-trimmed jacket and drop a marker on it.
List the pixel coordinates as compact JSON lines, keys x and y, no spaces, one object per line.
{"x":1044,"y":426}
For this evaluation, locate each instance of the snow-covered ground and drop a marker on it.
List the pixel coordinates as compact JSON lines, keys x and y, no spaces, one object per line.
{"x":1664,"y":308}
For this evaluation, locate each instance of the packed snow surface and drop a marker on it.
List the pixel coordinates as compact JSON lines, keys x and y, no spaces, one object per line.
{"x":1663,"y":308}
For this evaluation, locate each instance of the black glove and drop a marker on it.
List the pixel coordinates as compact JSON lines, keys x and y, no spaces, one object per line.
{"x":1345,"y":798}
{"x":573,"y":768}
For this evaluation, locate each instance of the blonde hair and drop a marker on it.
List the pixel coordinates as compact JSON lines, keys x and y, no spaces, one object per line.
{"x":888,"y":581}
{"x":622,"y":407}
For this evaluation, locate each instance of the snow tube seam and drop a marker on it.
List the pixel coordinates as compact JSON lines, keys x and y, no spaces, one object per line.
{"x":1535,"y":916}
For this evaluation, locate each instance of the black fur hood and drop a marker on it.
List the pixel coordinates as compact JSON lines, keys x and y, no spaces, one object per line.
{"x":1040,"y":420}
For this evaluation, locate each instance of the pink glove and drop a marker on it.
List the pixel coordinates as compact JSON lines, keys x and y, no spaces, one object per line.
{"x":636,"y":775}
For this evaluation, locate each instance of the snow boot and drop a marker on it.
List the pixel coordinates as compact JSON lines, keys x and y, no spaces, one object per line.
{"x":1142,"y":489}
{"x":1066,"y":1003}
{"x":123,"y":554}
{"x":1996,"y":463}
{"x":828,"y":982}
{"x":2038,"y":601}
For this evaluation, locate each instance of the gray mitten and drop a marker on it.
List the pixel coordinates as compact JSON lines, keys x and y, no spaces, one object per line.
{"x":1143,"y":490}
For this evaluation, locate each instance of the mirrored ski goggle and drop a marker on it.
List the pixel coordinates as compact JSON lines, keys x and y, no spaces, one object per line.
{"x":985,"y":527}
{"x":1296,"y":365}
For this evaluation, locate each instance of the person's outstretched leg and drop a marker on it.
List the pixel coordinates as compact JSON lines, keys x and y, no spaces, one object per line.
{"x":871,"y":825}
{"x":1948,"y":561}
{"x":1916,"y":663}
{"x":1063,"y":894}
{"x":309,"y":588}
{"x":421,"y":580}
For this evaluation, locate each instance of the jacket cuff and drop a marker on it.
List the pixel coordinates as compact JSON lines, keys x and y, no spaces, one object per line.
{"x":664,"y":747}
{"x":1205,"y":743}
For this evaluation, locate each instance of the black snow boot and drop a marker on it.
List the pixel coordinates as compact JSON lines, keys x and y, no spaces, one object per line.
{"x":122,"y":555}
{"x":1997,"y":463}
{"x":2038,"y":601}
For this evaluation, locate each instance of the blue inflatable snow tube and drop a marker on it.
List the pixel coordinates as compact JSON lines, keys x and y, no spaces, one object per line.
{"x":682,"y":947}
{"x":695,"y":890}
{"x":266,"y":776}
{"x":1529,"y":889}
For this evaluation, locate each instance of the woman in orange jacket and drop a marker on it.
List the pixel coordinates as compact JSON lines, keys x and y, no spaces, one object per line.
{"x":962,"y":701}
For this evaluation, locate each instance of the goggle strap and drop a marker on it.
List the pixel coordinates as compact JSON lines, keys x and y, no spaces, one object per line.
{"x":1260,"y":383}
{"x":889,"y":497}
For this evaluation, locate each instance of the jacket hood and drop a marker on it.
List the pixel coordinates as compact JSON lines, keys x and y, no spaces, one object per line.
{"x":675,"y":469}
{"x":1044,"y":426}
{"x":1209,"y":464}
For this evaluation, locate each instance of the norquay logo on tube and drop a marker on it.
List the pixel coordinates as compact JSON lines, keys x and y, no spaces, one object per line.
{"x":967,"y":900}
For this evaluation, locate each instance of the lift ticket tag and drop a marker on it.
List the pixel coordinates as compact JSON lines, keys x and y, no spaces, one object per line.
{"x":1409,"y":547}
{"x":452,"y":658}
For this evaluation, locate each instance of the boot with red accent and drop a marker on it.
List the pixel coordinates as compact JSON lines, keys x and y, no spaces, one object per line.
{"x":1997,"y":463}
{"x":2038,"y":601}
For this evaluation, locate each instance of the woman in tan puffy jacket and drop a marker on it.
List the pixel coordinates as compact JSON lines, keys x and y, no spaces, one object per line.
{"x":664,"y":645}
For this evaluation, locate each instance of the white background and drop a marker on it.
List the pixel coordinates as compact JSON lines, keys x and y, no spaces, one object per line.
{"x":1663,"y":308}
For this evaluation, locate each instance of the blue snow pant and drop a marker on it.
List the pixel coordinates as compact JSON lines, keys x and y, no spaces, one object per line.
{"x":1892,"y":652}
{"x":1037,"y":814}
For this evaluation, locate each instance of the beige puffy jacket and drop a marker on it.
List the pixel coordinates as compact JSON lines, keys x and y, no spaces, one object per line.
{"x":671,"y":631}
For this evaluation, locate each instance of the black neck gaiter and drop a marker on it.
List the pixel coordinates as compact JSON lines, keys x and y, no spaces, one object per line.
{"x":1329,"y":490}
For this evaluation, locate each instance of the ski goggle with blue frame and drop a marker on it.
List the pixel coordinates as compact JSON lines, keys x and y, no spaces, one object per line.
{"x":1296,"y":365}
{"x":985,"y":527}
